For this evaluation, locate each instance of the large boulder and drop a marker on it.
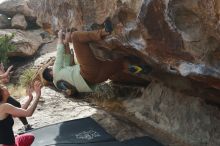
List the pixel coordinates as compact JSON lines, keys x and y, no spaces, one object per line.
{"x":178,"y":38}
{"x":13,"y":7}
{"x":173,"y":36}
{"x":18,"y":22}
{"x":54,"y":12}
{"x":4,"y":22}
{"x":26,"y":42}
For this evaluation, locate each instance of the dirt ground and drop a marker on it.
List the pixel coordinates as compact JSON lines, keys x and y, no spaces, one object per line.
{"x":54,"y":107}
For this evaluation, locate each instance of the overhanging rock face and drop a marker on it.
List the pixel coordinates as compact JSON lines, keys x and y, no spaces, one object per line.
{"x":178,"y":36}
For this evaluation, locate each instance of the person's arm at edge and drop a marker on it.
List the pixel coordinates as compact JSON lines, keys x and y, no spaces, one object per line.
{"x":6,"y":74}
{"x":19,"y":112}
{"x":58,"y":64}
{"x":28,"y":101}
{"x":26,"y":104}
{"x":69,"y":57}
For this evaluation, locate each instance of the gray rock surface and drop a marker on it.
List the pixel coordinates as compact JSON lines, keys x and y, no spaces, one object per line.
{"x":13,"y":7}
{"x":4,"y":22}
{"x":26,"y":42}
{"x":188,"y":119}
{"x":18,"y":22}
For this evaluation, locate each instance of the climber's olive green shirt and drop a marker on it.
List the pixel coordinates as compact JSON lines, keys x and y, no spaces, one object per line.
{"x":71,"y":74}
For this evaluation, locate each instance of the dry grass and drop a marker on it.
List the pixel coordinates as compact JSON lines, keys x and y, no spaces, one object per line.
{"x":112,"y":104}
{"x":27,"y":77}
{"x":107,"y":97}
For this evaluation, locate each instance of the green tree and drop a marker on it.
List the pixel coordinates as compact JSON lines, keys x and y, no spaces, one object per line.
{"x":5,"y":47}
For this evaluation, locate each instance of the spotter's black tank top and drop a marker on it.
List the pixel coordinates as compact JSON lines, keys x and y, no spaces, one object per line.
{"x":6,"y":131}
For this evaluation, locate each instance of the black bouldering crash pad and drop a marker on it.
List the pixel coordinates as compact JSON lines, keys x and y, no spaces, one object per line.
{"x":78,"y":131}
{"x":82,"y":132}
{"x":141,"y":141}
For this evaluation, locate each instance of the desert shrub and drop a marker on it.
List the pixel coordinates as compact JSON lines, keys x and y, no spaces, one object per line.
{"x":27,"y":77}
{"x":5,"y":47}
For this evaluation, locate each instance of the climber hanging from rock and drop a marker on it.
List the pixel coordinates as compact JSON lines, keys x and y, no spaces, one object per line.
{"x":90,"y":70}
